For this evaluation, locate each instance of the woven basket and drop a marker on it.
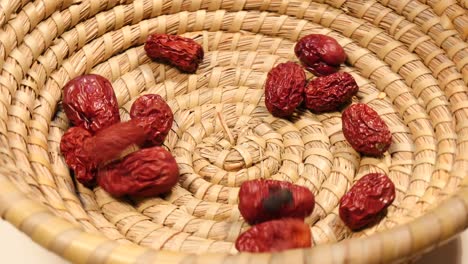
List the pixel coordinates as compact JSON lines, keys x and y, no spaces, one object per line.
{"x":410,"y":59}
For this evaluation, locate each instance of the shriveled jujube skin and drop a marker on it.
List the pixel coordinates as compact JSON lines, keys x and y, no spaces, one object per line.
{"x":365,"y":130}
{"x":180,"y":52}
{"x":72,"y":147}
{"x":366,"y":200}
{"x":155,"y":118}
{"x":320,"y":54}
{"x":146,"y":172}
{"x":89,"y":102}
{"x":329,"y":93}
{"x":284,"y":89}
{"x":85,"y":153}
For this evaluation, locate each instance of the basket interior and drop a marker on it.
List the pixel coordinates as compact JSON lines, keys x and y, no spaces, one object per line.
{"x":408,"y":57}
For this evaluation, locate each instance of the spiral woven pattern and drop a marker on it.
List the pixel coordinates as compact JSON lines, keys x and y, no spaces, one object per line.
{"x":409,"y":58}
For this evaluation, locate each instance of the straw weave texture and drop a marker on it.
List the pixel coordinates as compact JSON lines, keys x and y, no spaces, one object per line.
{"x":410,"y":59}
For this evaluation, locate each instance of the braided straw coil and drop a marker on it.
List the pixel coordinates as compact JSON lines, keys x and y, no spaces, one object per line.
{"x":410,"y":59}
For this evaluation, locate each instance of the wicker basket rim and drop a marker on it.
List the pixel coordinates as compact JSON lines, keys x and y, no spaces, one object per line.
{"x":81,"y":246}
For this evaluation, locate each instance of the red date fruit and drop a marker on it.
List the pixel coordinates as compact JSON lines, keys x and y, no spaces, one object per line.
{"x":366,"y":200}
{"x":72,"y":148}
{"x":182,"y":53}
{"x":276,"y":235}
{"x":110,"y":142}
{"x":146,"y":172}
{"x":284,"y":88}
{"x":89,"y":102}
{"x":263,"y":200}
{"x":328,"y":93}
{"x":320,"y":54}
{"x":84,"y":153}
{"x":365,"y":130}
{"x":155,"y":117}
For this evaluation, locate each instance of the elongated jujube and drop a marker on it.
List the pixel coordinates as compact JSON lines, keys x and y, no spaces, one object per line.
{"x":275,"y":235}
{"x":146,"y":172}
{"x":263,"y":200}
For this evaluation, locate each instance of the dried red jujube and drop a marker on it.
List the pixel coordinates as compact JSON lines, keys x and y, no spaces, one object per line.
{"x":84,"y":153}
{"x":263,"y":200}
{"x":180,"y":52}
{"x":328,"y":93}
{"x":365,"y":130}
{"x":275,"y":235}
{"x":73,"y":150}
{"x":320,"y":54}
{"x":146,"y":172}
{"x":284,"y":89}
{"x":110,"y":142}
{"x":89,"y":102}
{"x":155,"y":118}
{"x":364,"y":203}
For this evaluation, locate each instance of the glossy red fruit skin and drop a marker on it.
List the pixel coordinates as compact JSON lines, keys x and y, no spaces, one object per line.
{"x":144,"y":173}
{"x":365,"y":130}
{"x":155,"y":118}
{"x":275,"y":235}
{"x":366,"y":200}
{"x":284,"y":89}
{"x":329,"y":93}
{"x":89,"y":102}
{"x":72,"y":149}
{"x":262,"y":200}
{"x":180,"y":52}
{"x":320,"y":54}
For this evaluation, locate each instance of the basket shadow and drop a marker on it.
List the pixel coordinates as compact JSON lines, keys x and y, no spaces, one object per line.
{"x":450,"y":253}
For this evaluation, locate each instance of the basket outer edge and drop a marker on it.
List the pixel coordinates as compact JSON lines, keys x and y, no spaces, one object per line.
{"x":71,"y":242}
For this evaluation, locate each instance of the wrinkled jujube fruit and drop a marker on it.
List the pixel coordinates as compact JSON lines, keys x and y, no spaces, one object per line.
{"x":84,"y":153}
{"x":263,"y":200}
{"x":364,"y":203}
{"x":89,"y":102}
{"x":284,"y":88}
{"x":328,"y":93}
{"x":275,"y":235}
{"x":72,"y":148}
{"x":110,"y":142}
{"x":155,"y":118}
{"x":320,"y":54}
{"x":180,"y":52}
{"x":365,"y":130}
{"x":146,"y":172}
